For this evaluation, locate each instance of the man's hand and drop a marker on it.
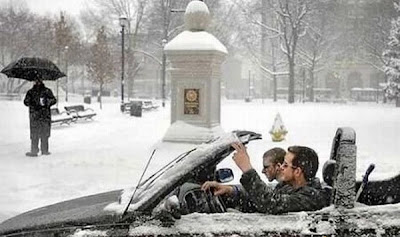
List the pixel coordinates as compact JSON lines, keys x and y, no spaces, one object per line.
{"x":241,"y":157}
{"x":219,"y":189}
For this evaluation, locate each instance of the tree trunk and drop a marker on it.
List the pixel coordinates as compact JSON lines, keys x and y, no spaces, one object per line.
{"x":303,"y":72}
{"x":275,"y":82}
{"x":291,"y":81}
{"x":384,"y":94}
{"x":72,"y":83}
{"x":275,"y":88}
{"x":100,"y":92}
{"x":311,"y":85}
{"x":83,"y":80}
{"x":397,"y":101}
{"x":263,"y":41}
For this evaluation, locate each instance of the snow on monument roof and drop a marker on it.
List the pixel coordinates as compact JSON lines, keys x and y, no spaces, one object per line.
{"x":198,"y":40}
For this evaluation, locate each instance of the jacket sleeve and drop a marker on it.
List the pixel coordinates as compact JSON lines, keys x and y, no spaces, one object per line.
{"x":51,"y":100}
{"x":267,"y":200}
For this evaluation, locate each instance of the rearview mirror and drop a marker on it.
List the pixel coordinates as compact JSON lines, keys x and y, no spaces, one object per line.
{"x":224,"y":175}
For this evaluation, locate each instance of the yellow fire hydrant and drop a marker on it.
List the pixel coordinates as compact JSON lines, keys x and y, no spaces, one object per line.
{"x":278,"y":130}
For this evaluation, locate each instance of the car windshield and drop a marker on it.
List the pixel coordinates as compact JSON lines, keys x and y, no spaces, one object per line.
{"x":168,"y":177}
{"x":146,"y":184}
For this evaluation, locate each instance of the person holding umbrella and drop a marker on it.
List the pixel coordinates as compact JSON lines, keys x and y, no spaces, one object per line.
{"x":39,"y":98}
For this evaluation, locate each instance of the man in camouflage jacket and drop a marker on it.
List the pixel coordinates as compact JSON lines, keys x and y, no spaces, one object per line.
{"x":301,"y":190}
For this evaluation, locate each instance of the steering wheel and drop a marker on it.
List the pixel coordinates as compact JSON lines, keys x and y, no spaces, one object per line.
{"x":215,"y":203}
{"x":193,"y":199}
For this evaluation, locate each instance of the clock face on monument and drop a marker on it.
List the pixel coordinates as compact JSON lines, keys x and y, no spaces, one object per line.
{"x":191,"y":101}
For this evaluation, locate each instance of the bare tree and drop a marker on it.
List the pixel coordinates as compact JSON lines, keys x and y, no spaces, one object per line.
{"x":67,"y":46}
{"x":292,"y":28}
{"x":22,"y":34}
{"x":316,"y":46}
{"x":100,"y":66}
{"x":107,"y":11}
{"x":286,"y":23}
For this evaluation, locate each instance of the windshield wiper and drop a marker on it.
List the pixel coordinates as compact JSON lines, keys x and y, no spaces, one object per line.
{"x":155,"y":175}
{"x":144,"y":171}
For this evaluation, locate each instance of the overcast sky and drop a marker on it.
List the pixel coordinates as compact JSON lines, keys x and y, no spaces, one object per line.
{"x":55,"y":6}
{"x":52,"y":6}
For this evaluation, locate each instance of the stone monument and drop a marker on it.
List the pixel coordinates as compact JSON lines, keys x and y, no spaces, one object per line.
{"x":195,"y":66}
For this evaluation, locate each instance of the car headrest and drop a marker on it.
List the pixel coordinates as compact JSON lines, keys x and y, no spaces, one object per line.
{"x":328,"y":172}
{"x":344,"y":135}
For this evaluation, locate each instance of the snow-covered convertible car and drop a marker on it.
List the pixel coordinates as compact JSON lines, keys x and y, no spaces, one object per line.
{"x":152,"y":208}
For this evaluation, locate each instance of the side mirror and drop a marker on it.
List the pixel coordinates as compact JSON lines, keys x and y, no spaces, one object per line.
{"x":224,"y":175}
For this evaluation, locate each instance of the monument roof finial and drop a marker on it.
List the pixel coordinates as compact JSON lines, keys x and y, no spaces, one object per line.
{"x":197,"y":16}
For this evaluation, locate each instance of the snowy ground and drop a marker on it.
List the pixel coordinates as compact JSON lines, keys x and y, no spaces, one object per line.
{"x":111,"y":151}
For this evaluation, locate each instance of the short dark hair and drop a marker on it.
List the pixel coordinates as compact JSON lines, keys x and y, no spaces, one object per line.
{"x":305,"y":158}
{"x":277,"y":155}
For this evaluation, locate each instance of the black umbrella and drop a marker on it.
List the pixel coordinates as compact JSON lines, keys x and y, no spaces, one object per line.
{"x":32,"y":69}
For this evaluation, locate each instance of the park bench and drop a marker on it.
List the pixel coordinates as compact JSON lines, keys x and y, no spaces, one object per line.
{"x":63,"y":117}
{"x":79,"y":112}
{"x":10,"y":96}
{"x":126,"y":107}
{"x":331,"y":100}
{"x":146,"y":105}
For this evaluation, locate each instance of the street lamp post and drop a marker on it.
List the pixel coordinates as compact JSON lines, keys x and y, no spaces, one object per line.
{"x":66,"y":73}
{"x":377,"y":90}
{"x":123,"y":20}
{"x":57,"y":93}
{"x":163,"y":72}
{"x":303,"y":71}
{"x":164,"y":42}
{"x":249,"y":85}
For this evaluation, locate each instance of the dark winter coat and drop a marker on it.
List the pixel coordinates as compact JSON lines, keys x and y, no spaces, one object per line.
{"x":284,"y":198}
{"x":39,"y":114}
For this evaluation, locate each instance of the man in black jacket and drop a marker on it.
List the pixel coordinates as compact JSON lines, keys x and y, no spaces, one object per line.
{"x":39,"y":99}
{"x":301,"y":192}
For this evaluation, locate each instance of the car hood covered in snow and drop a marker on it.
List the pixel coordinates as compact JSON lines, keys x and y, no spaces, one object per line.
{"x":81,"y":211}
{"x":108,"y":207}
